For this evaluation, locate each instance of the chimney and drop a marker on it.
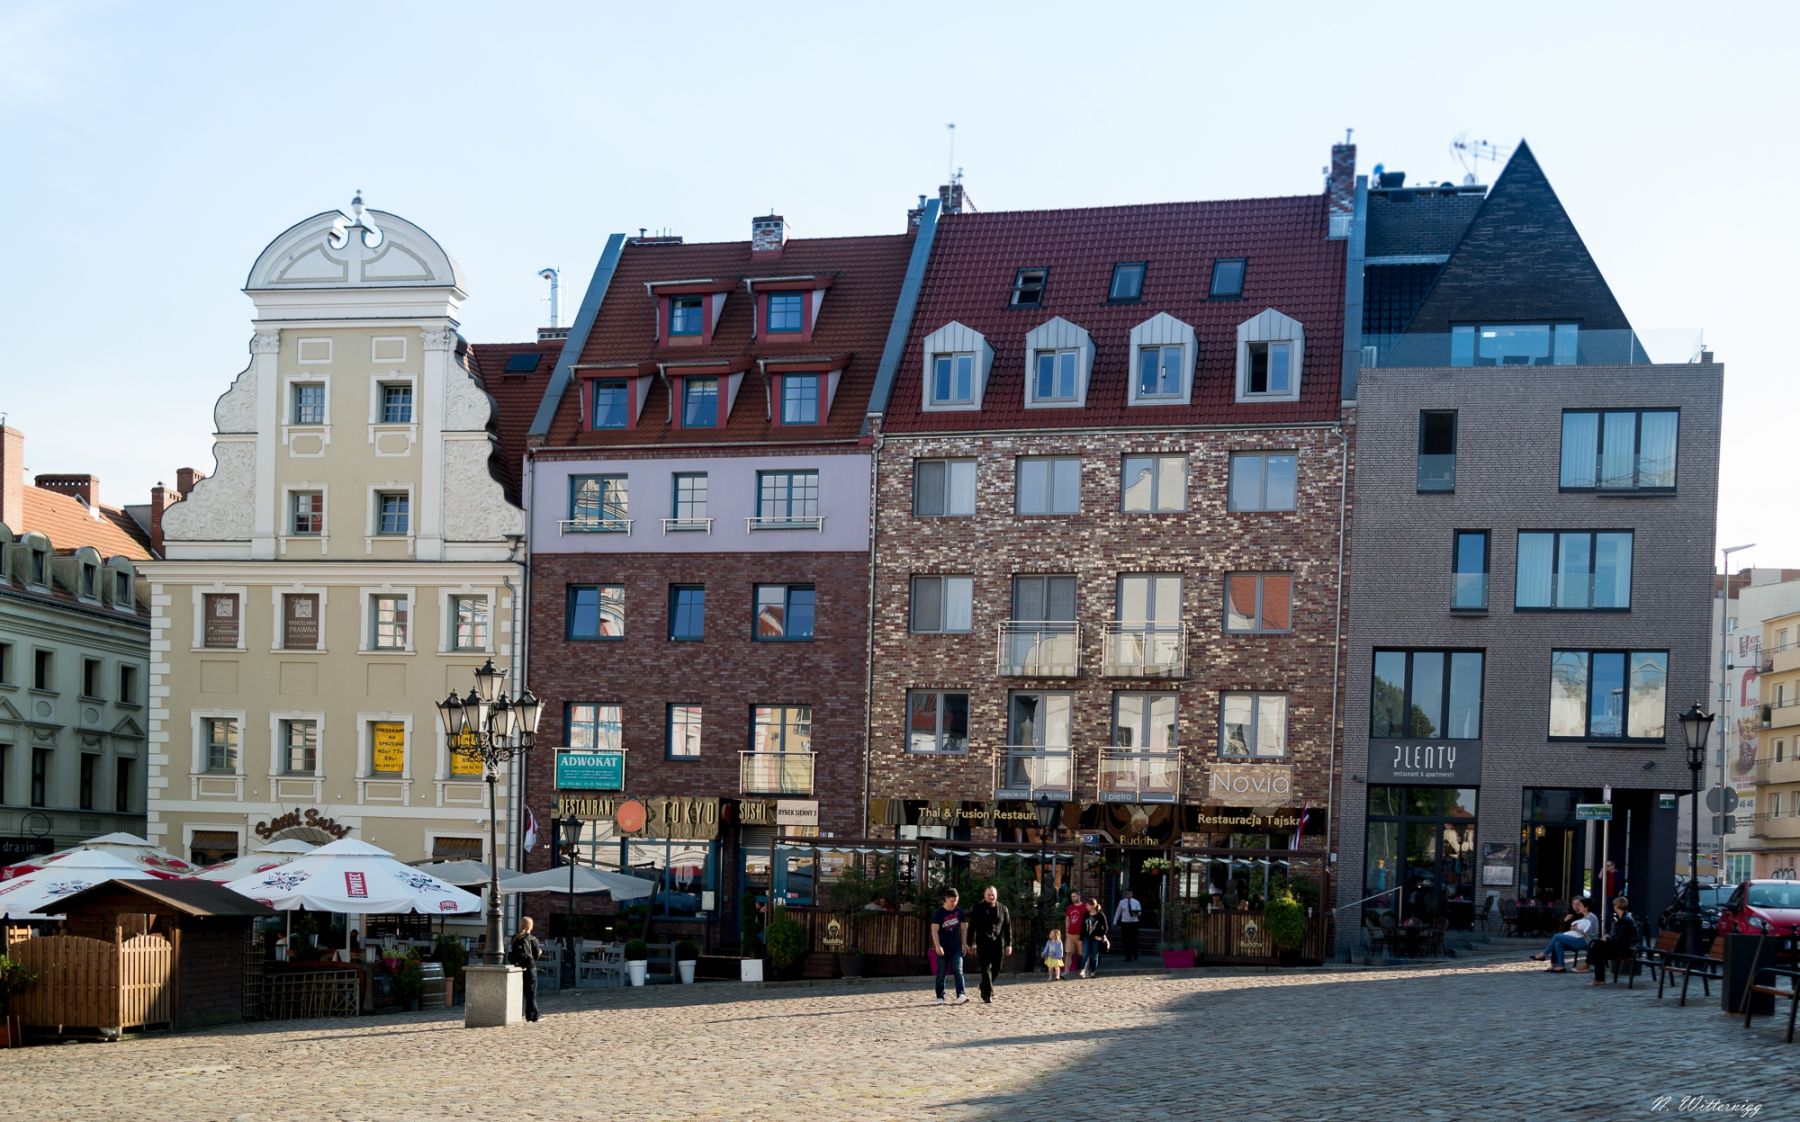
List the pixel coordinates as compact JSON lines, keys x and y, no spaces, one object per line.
{"x":768,"y":234}
{"x":1340,"y":188}
{"x":551,"y":334}
{"x":185,"y":478}
{"x":84,"y":487}
{"x":12,"y":478}
{"x":159,"y":498}
{"x":916,"y":215}
{"x":951,"y":195}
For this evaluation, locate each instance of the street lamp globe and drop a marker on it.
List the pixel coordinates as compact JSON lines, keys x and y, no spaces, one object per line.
{"x":450,"y":712}
{"x":1045,"y":809}
{"x":1696,"y":725}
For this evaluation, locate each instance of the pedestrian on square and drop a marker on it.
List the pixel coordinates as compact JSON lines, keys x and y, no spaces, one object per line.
{"x":1125,"y":918}
{"x":1053,"y":955}
{"x":524,"y":953}
{"x":990,"y":924}
{"x":1097,"y":936}
{"x":1617,"y":948}
{"x":1581,"y":929}
{"x":947,"y":941}
{"x":1073,"y":915}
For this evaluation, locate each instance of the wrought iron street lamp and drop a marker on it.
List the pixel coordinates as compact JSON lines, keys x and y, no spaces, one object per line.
{"x":1046,"y":810}
{"x":1696,"y":725}
{"x":489,"y":727}
{"x":570,"y":830}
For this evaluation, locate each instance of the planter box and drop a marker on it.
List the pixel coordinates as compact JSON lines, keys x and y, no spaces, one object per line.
{"x":1178,"y":960}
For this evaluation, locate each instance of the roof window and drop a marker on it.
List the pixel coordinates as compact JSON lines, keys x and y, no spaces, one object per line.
{"x":523,"y":363}
{"x":1028,"y":287}
{"x":1227,"y":278}
{"x":1127,"y":283}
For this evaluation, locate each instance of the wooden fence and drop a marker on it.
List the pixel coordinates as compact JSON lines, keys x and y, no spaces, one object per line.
{"x":872,"y":933}
{"x":1242,"y":938}
{"x":88,"y":983}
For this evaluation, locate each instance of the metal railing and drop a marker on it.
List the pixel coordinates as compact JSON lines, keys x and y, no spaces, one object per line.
{"x":595,"y":525}
{"x":1032,"y":771}
{"x":757,"y":522}
{"x":1038,"y":649}
{"x":687,"y":525}
{"x":775,"y":773}
{"x":1516,"y":345}
{"x":1143,"y":649}
{"x":1140,"y":775}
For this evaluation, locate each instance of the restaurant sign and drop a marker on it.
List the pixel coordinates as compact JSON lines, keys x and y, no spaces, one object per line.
{"x":659,"y":816}
{"x":294,"y":820}
{"x":1413,"y":761}
{"x":797,"y":812}
{"x":1234,"y":783}
{"x":590,"y":769}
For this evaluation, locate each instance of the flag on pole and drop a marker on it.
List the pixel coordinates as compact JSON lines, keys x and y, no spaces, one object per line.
{"x":530,"y":830}
{"x":1300,"y":828}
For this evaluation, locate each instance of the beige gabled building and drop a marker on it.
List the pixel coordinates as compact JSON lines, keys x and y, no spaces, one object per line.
{"x":353,"y":557}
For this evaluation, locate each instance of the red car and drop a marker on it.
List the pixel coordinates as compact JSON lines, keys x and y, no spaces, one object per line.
{"x":1764,"y":907}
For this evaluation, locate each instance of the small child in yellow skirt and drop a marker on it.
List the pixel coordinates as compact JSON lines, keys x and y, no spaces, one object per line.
{"x":1053,"y":955}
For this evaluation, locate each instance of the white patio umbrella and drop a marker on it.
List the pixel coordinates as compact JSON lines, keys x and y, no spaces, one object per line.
{"x":272,"y":856}
{"x":141,"y":852}
{"x":465,"y":874}
{"x":350,"y":877}
{"x":24,"y":898}
{"x":587,"y":880}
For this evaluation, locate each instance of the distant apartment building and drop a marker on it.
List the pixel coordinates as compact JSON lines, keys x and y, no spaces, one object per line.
{"x":1775,"y":817}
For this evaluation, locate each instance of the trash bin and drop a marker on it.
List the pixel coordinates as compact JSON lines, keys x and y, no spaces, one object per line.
{"x":1745,"y":957}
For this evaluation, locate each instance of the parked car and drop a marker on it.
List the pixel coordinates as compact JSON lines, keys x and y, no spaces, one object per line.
{"x":1712,"y":897}
{"x":1764,"y":907}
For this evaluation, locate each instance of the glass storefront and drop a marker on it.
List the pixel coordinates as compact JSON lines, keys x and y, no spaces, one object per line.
{"x":1551,"y":845}
{"x":684,"y":871}
{"x":1421,"y":854}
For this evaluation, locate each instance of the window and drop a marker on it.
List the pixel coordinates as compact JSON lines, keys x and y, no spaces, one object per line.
{"x":1271,"y":369}
{"x":953,"y":379}
{"x":937,"y":721}
{"x":1043,"y":599}
{"x":1437,"y":450}
{"x":599,"y":502}
{"x":1515,"y":344}
{"x":89,"y":583}
{"x":1160,"y":372}
{"x":1148,"y":598}
{"x":1144,"y":721}
{"x":685,"y":314}
{"x":596,"y":611}
{"x":799,"y":399}
{"x":309,"y":403}
{"x":690,"y":496}
{"x":1574,"y":571}
{"x":1055,"y":379}
{"x":221,"y":744}
{"x":1469,"y":572}
{"x":1048,"y":485}
{"x":1040,"y":720}
{"x":393,"y":512}
{"x":785,"y":311}
{"x":699,"y":403}
{"x":1262,"y":481}
{"x":90,"y":676}
{"x":43,"y":676}
{"x":1252,"y":725}
{"x":85,"y":791}
{"x":1608,"y":695}
{"x":1780,"y":750}
{"x":469,"y":616}
{"x":300,"y":621}
{"x":40,"y":777}
{"x":128,"y":684}
{"x":1259,"y":603}
{"x":219,"y":620}
{"x":787,"y":496}
{"x":1028,"y":287}
{"x":943,"y":488}
{"x":122,"y":588}
{"x":1427,"y":693}
{"x":122,"y":782}
{"x":396,"y":403}
{"x":784,"y":612}
{"x":387,"y":617}
{"x":612,"y":405}
{"x":941,"y":604}
{"x":306,"y":513}
{"x":1154,"y":484}
{"x":592,"y":725}
{"x":5,"y":769}
{"x":299,"y":747}
{"x":1227,"y":278}
{"x":687,"y":612}
{"x":6,"y":650}
{"x":1774,"y":804}
{"x":684,"y":732}
{"x":781,"y":728}
{"x":525,"y":362}
{"x":1619,"y":449}
{"x":1127,"y":283}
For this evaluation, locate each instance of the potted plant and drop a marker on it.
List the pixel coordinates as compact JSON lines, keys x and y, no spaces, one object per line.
{"x":454,"y":956}
{"x":786,"y":942}
{"x":687,"y":955}
{"x":14,"y":978}
{"x":411,"y":984}
{"x":1157,"y":866}
{"x":1285,"y":920}
{"x":637,"y":960}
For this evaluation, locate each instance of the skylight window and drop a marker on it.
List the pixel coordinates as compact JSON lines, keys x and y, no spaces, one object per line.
{"x":1028,"y":287}
{"x":1127,"y":283}
{"x":1228,"y":277}
{"x":523,"y":363}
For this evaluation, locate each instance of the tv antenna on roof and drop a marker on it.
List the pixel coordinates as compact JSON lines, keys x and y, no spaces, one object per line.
{"x":950,"y":171}
{"x":1470,"y":153}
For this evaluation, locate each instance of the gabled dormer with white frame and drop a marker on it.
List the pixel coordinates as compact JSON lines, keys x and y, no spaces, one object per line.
{"x":1164,"y":352}
{"x":1270,"y":350}
{"x":1059,"y":361}
{"x":957,"y":362}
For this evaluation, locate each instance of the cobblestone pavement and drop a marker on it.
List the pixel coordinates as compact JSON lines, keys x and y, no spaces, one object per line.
{"x":1481,"y":1041}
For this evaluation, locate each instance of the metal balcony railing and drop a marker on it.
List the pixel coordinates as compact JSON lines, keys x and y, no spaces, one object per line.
{"x":1029,"y":771}
{"x":775,"y":773}
{"x":595,"y":525}
{"x":1143,"y":649}
{"x":1140,"y":775}
{"x":757,"y":522}
{"x":687,"y":525}
{"x":1039,"y":649}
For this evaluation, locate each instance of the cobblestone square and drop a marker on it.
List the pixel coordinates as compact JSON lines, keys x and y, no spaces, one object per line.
{"x":1501,"y":1040}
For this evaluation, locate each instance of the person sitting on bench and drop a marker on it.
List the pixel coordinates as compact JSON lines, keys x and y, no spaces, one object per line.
{"x":1581,"y":929}
{"x":1619,"y":947}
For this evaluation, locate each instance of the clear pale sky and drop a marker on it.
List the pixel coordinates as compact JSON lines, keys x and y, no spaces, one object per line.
{"x":151,"y":150}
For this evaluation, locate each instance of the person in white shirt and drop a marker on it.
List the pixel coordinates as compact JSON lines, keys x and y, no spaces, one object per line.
{"x":1581,"y":929}
{"x":1125,"y":918}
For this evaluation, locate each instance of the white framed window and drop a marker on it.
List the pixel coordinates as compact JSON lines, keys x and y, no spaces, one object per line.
{"x":942,"y":604}
{"x":219,"y":617}
{"x":943,"y":488}
{"x":1153,"y":484}
{"x":307,"y":402}
{"x":297,"y":746}
{"x":467,"y":621}
{"x":384,"y":748}
{"x":298,"y":618}
{"x":1270,"y":351}
{"x":1163,"y":353}
{"x":1061,"y":357}
{"x":393,"y":513}
{"x":957,"y":361}
{"x":306,"y":513}
{"x":218,"y":736}
{"x":394,"y":402}
{"x":1252,"y":726}
{"x":387,"y":619}
{"x":1047,"y":485}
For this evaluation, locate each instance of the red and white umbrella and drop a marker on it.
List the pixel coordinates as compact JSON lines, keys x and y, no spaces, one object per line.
{"x":354,"y":877}
{"x":140,"y":852}
{"x":32,"y":896}
{"x":272,"y":856}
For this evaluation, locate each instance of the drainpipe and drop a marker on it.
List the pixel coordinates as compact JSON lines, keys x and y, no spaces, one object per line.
{"x":869,"y":679}
{"x":1337,"y":648}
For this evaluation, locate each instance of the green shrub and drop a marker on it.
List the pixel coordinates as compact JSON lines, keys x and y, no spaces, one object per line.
{"x":636,"y":950}
{"x":786,"y":941}
{"x":686,"y":951}
{"x":14,"y":978}
{"x":1285,"y":919}
{"x":453,"y":955}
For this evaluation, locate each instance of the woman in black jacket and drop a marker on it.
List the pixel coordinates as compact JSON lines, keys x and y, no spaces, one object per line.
{"x":1619,"y":946}
{"x":1095,"y":936}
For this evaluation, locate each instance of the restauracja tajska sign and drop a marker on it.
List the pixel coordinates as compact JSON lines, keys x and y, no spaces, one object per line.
{"x":294,"y":819}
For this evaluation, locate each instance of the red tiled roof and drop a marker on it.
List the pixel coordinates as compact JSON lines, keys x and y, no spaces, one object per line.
{"x":865,"y":272}
{"x":1292,"y":267}
{"x":516,"y":398}
{"x":69,"y":525}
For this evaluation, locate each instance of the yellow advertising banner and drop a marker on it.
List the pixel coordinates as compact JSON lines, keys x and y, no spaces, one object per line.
{"x":389,"y":755}
{"x":463,"y":760}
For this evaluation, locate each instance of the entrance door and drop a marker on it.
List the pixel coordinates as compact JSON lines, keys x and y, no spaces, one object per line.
{"x":1552,"y":863}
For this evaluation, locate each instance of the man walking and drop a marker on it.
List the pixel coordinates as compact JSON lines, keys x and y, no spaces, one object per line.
{"x":1125,"y":918}
{"x":1073,"y":915}
{"x":991,"y":924}
{"x":947,"y":941}
{"x":524,"y":953}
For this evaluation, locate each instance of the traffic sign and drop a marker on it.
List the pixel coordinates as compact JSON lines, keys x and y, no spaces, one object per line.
{"x":1721,"y":800}
{"x":1593,"y":812}
{"x":1724,"y":824}
{"x":1666,"y":802}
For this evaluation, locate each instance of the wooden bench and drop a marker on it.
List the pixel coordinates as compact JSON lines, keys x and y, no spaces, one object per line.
{"x":1708,"y":967}
{"x":1667,"y":943}
{"x":1792,"y":993}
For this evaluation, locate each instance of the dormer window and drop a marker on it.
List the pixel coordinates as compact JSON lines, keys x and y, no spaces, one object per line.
{"x":90,"y":589}
{"x":1271,"y":370}
{"x":1163,"y":351}
{"x":953,"y":379}
{"x":1055,"y":376}
{"x":957,"y":361}
{"x":1227,"y":278}
{"x":800,"y":399}
{"x":1270,"y":354}
{"x":699,"y":403}
{"x":122,"y":588}
{"x":1160,"y":372}
{"x":1061,"y":357}
{"x":686,"y":315}
{"x":612,"y":404}
{"x":786,"y":312}
{"x":38,"y":568}
{"x":1127,"y":283}
{"x":1028,"y":287}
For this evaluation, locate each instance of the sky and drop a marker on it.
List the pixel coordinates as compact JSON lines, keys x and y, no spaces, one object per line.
{"x":151,"y":151}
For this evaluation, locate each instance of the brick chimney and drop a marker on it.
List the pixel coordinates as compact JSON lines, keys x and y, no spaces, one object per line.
{"x":1340,"y":188}
{"x":12,"y":478}
{"x":185,"y":478}
{"x":83,"y":487}
{"x":159,"y":498}
{"x":768,"y":234}
{"x":916,"y":215}
{"x":954,"y":200}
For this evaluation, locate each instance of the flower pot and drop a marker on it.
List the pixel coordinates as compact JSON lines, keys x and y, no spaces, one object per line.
{"x":636,"y":970}
{"x":685,"y":968}
{"x":1177,"y":960}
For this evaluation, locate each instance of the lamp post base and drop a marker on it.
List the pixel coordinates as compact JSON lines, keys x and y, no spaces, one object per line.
{"x":494,"y":996}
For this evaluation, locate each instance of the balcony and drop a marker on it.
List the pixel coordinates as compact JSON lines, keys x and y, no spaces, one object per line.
{"x":1140,"y":775}
{"x":756,"y":522}
{"x":1542,"y":345}
{"x":591,"y":525}
{"x":775,"y":773}
{"x":1785,"y":715}
{"x":1039,"y":649}
{"x":1775,"y":829}
{"x":1143,"y":649}
{"x":687,"y":525}
{"x":1777,"y":660}
{"x":1028,"y":772}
